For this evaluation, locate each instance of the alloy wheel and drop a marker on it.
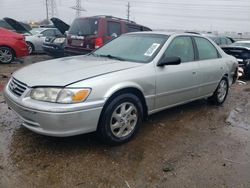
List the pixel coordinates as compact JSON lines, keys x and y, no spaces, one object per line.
{"x":123,"y":120}
{"x":6,"y":55}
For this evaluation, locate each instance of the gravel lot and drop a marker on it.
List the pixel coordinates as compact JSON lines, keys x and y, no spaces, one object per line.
{"x":194,"y":145}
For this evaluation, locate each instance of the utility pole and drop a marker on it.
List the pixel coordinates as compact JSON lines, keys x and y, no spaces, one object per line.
{"x":78,"y":7}
{"x":47,"y":11}
{"x":128,"y":11}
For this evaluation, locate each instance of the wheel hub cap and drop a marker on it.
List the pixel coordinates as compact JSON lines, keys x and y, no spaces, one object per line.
{"x":5,"y":55}
{"x":222,"y":90}
{"x":123,"y":119}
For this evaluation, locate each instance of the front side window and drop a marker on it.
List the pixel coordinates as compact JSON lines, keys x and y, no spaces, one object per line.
{"x":206,"y":49}
{"x":133,"y":47}
{"x":181,"y":47}
{"x":114,"y":29}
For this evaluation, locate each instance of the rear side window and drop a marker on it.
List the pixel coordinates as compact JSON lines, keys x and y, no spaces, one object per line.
{"x":133,"y":28}
{"x":206,"y":49}
{"x":84,"y":27}
{"x":114,"y":29}
{"x":181,"y":47}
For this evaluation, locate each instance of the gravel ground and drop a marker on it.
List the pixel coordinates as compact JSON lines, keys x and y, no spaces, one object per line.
{"x":194,"y":145}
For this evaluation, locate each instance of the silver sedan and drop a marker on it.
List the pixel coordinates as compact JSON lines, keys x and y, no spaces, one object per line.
{"x":113,"y":89}
{"x":36,"y":40}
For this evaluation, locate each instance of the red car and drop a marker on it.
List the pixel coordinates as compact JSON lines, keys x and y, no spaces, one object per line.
{"x":12,"y":45}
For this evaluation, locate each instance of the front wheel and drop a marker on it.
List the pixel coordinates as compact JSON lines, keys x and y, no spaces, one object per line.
{"x":6,"y":55}
{"x":30,"y":48}
{"x":221,"y":92}
{"x":120,"y":119}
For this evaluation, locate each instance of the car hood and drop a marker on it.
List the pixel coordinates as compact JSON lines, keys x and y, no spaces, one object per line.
{"x":18,"y":27}
{"x":64,"y":71}
{"x":60,"y":25}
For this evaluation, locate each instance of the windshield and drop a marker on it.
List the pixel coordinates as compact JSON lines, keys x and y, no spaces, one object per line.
{"x":36,"y":31}
{"x":84,"y":27}
{"x":133,"y":47}
{"x":243,"y":44}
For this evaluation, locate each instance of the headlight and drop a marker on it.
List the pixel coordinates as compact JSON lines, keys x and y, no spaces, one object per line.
{"x":59,"y":40}
{"x":60,"y":95}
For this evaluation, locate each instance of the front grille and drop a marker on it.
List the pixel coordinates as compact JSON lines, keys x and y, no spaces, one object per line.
{"x":17,"y":87}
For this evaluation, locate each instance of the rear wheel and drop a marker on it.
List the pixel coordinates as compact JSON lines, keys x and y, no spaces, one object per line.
{"x":6,"y":55}
{"x":221,"y":92}
{"x":120,"y":119}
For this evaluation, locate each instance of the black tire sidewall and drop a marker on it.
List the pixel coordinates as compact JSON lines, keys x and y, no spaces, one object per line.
{"x":216,"y":99}
{"x":104,"y":129}
{"x":32,"y":47}
{"x":12,"y":53}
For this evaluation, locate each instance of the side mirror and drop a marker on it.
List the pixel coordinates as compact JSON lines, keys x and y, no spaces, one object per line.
{"x":169,"y":61}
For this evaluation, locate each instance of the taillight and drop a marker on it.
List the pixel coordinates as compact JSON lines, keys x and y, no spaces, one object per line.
{"x":98,"y":42}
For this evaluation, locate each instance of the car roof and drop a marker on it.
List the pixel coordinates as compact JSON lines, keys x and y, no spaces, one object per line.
{"x":165,"y":33}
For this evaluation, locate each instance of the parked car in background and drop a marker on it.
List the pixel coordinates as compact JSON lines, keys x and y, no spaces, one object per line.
{"x":87,"y":34}
{"x":36,"y":40}
{"x":220,"y":40}
{"x":34,"y":37}
{"x":12,"y":45}
{"x":17,"y":26}
{"x":113,"y":88}
{"x":54,"y":45}
{"x":240,"y":50}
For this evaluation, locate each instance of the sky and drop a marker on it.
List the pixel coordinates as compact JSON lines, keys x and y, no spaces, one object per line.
{"x":202,"y":15}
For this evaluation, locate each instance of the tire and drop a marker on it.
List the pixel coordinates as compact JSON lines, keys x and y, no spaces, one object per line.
{"x":6,"y":55}
{"x":31,"y":48}
{"x":120,"y":119}
{"x":220,"y":93}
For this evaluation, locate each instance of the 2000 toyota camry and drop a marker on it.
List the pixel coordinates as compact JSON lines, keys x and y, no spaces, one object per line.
{"x":112,"y":89}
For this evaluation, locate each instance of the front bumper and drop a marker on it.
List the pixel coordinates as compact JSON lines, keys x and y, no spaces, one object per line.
{"x":53,"y":49}
{"x":62,"y":122}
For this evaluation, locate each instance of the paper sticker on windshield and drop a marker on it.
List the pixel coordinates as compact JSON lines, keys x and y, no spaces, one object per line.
{"x":152,"y":49}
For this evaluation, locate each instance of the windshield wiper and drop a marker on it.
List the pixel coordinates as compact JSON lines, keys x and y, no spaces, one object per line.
{"x":112,"y":57}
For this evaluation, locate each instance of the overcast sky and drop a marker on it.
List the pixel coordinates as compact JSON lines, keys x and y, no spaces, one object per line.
{"x":216,"y":15}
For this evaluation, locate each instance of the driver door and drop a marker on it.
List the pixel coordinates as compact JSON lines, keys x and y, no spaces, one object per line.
{"x":177,"y":83}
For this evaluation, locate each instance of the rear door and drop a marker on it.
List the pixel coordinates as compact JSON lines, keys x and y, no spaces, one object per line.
{"x":177,"y":83}
{"x":211,"y":66}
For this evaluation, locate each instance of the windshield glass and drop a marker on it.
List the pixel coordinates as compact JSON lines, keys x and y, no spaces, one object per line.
{"x":36,"y":31}
{"x":84,"y":27}
{"x":133,"y":47}
{"x":243,"y":44}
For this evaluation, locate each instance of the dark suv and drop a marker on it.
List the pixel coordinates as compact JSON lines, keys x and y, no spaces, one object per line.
{"x":87,"y":34}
